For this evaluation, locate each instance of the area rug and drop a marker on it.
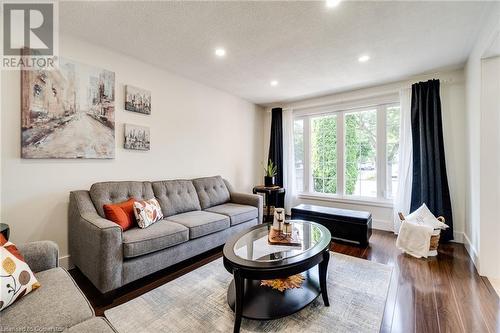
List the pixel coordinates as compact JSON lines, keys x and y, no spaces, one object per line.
{"x":196,"y":302}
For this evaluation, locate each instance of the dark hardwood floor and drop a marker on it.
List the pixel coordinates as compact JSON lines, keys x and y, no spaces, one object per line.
{"x":442,"y":294}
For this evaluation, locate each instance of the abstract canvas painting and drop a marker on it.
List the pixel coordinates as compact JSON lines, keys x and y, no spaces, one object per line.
{"x":136,"y":137}
{"x":137,"y":100}
{"x":68,"y":112}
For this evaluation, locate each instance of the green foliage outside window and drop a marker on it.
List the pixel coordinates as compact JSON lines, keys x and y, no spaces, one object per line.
{"x":360,"y":139}
{"x":324,"y":154}
{"x":360,"y":145}
{"x":360,"y":151}
{"x":393,"y":116}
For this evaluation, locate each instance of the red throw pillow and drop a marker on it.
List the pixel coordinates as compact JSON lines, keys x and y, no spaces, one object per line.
{"x":121,"y":213}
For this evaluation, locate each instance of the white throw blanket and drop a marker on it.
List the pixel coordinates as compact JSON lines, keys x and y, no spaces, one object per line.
{"x":414,"y":239}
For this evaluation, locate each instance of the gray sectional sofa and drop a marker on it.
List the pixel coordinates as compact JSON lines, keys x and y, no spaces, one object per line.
{"x":58,"y":305}
{"x":199,"y":215}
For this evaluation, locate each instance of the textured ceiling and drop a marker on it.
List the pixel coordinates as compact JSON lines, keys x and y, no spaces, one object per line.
{"x":309,"y":49}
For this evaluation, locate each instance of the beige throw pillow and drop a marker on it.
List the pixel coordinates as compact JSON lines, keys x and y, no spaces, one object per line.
{"x":424,"y":216}
{"x":147,"y":212}
{"x":16,"y":278}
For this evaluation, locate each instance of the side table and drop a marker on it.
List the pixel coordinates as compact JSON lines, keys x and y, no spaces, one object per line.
{"x":268,"y":191}
{"x":5,"y":230}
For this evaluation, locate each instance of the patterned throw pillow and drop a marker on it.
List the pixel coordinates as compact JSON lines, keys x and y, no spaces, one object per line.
{"x":147,"y":212}
{"x":16,"y":278}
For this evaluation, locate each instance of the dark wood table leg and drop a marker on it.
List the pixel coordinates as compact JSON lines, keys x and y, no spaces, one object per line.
{"x":238,"y":302}
{"x":323,"y":269}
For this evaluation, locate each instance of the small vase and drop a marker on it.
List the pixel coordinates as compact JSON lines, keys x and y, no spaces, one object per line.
{"x":279,"y":217}
{"x":269,"y":181}
{"x":287,"y":227}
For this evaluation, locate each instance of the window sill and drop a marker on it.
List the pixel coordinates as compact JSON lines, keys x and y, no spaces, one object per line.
{"x":347,"y":200}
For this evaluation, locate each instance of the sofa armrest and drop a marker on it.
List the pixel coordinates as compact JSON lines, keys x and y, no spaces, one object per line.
{"x":95,"y":243}
{"x":40,"y":256}
{"x":249,"y":199}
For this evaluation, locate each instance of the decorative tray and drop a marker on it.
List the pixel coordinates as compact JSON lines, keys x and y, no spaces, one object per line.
{"x":277,"y":237}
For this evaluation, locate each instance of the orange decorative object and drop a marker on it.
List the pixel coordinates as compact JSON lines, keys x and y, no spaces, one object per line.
{"x":121,"y":213}
{"x":291,"y":282}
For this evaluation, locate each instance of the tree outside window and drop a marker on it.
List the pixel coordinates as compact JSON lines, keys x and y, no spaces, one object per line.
{"x":317,"y":160}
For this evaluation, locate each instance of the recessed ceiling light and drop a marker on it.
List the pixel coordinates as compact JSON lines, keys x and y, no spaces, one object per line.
{"x":364,"y":58}
{"x":220,"y":52}
{"x":332,"y":3}
{"x":274,"y":83}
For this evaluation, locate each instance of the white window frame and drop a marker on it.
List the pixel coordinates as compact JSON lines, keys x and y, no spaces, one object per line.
{"x":306,"y":115}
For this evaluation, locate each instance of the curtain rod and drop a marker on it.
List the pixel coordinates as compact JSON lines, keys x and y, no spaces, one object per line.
{"x":389,"y":91}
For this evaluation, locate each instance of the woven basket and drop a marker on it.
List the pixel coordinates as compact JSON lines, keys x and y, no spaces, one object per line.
{"x":434,"y":238}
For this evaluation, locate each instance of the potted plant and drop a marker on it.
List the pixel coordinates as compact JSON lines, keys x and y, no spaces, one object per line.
{"x":271,"y":170}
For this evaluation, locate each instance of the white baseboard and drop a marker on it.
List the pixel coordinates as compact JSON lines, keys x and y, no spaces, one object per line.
{"x":495,"y":283}
{"x":65,"y":262}
{"x":471,"y":250}
{"x":458,"y":237}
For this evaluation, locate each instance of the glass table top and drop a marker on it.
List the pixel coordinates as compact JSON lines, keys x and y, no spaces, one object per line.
{"x":254,"y":244}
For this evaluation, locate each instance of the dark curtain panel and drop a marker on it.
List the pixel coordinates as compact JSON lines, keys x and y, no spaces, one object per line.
{"x":276,"y":148}
{"x":430,"y":182}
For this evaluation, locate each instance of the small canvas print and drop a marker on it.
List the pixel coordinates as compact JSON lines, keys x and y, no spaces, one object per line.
{"x":68,"y":112}
{"x":136,"y":137}
{"x":137,"y":100}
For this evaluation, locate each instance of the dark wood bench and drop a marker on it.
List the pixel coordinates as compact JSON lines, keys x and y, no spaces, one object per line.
{"x":347,"y":225}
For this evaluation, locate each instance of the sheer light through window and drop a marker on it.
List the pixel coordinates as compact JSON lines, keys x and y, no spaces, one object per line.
{"x":298,"y":142}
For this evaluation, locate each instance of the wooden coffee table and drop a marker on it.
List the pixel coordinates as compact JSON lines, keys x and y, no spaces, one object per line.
{"x":250,"y":258}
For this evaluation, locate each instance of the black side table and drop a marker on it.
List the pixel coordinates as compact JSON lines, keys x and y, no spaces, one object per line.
{"x":269,"y":191}
{"x":5,"y":230}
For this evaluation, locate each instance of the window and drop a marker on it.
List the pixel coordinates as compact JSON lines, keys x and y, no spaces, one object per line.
{"x":348,"y":153}
{"x":298,"y":142}
{"x":392,"y":142}
{"x":324,"y":153}
{"x":361,"y":153}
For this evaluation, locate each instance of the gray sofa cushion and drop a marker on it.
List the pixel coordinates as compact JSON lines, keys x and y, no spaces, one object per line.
{"x":201,"y":223}
{"x":236,"y":212}
{"x":56,"y":305}
{"x":114,"y":192}
{"x":139,"y":267}
{"x":94,"y":325}
{"x":158,"y":236}
{"x":176,"y":196}
{"x":212,"y":191}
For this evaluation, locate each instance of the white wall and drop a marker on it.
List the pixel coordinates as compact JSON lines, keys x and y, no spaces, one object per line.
{"x":474,"y":123}
{"x":195,"y":131}
{"x":490,"y":165}
{"x":453,"y":111}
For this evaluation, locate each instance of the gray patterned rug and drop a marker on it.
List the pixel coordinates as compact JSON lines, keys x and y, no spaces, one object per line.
{"x":196,"y":302}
